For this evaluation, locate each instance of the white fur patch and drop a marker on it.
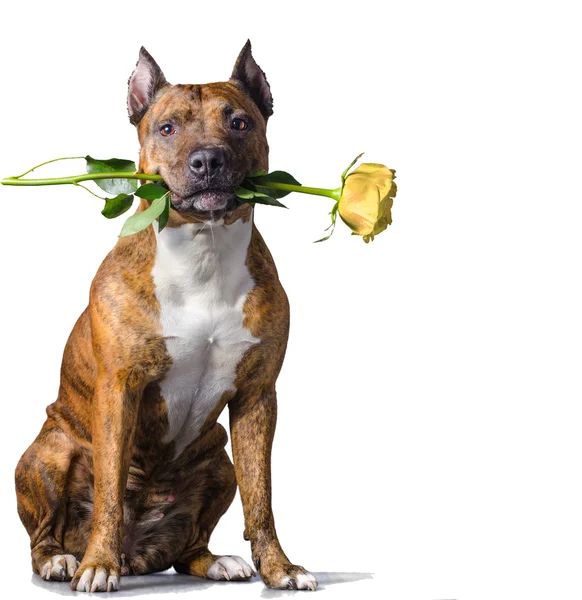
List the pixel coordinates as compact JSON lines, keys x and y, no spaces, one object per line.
{"x":202,"y":284}
{"x":299,"y":581}
{"x":229,"y":568}
{"x":59,"y":567}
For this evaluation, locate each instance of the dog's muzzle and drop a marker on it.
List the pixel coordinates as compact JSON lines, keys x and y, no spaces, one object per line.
{"x":206,"y":201}
{"x":207,"y":186}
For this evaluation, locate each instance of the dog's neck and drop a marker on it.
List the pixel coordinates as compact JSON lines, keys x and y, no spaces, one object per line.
{"x":198,"y":256}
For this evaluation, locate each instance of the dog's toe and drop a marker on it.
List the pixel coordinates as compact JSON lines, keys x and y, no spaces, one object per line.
{"x":230,"y":568}
{"x":60,"y":567}
{"x":95,"y":579}
{"x":300,"y":581}
{"x":289,"y":577}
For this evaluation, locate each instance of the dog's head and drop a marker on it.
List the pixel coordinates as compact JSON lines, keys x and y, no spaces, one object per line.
{"x":202,"y":139}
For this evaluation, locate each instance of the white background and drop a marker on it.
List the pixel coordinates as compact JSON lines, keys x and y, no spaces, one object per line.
{"x":429,"y":405}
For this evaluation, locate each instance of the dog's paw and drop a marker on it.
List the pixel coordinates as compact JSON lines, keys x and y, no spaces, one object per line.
{"x":290,"y":577}
{"x":60,"y":567}
{"x":95,"y":579}
{"x":230,"y":568}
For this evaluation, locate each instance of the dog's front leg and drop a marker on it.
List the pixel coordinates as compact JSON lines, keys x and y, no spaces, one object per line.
{"x":115,"y":407}
{"x":252,"y":426}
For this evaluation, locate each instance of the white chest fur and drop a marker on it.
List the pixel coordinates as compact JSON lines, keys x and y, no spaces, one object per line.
{"x":201,"y":284}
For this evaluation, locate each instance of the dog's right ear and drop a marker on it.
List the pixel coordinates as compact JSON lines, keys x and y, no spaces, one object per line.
{"x":252,"y":77}
{"x":144,"y":82}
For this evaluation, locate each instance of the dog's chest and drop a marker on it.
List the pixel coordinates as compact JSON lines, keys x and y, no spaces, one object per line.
{"x":202,"y":283}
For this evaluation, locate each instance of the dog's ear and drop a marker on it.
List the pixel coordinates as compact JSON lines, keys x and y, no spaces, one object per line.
{"x":248,"y":72}
{"x":144,"y":82}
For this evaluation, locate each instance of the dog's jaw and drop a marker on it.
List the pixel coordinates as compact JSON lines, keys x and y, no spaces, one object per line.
{"x":209,"y":203}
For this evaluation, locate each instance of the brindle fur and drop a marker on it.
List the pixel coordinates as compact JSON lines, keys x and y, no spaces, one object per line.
{"x":98,"y":482}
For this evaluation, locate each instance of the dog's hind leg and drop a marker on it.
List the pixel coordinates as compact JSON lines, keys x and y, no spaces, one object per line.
{"x":41,"y":478}
{"x":217,"y":487}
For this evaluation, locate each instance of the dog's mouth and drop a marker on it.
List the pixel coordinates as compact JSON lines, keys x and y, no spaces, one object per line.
{"x":210,"y":203}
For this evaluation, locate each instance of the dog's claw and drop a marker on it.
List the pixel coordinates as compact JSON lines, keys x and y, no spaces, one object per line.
{"x":95,"y":579}
{"x":296,"y":578}
{"x":59,"y":567}
{"x":230,"y":568}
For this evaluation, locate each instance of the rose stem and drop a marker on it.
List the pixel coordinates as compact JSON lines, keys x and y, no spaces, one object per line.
{"x":78,"y":178}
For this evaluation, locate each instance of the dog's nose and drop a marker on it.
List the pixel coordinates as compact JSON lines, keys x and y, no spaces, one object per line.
{"x":206,"y":162}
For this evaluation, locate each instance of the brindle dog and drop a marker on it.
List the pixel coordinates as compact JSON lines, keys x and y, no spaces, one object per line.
{"x":129,"y":474}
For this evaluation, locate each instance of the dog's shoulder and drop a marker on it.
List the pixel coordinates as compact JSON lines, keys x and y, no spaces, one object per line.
{"x":267,"y":305}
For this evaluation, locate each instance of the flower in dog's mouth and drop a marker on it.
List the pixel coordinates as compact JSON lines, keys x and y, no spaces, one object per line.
{"x":363,"y":201}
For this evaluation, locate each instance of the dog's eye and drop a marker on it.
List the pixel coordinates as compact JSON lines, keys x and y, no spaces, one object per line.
{"x":167,"y":129}
{"x":239,"y":124}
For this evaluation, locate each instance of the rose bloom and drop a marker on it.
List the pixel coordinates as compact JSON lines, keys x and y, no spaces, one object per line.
{"x":366,"y":200}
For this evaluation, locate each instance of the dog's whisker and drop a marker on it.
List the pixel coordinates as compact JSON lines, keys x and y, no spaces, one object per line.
{"x":212,"y":228}
{"x":205,"y":223}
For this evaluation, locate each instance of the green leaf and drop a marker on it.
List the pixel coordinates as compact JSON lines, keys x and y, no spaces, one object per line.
{"x":262,"y":183}
{"x":112,"y":164}
{"x":243,"y":193}
{"x":143,"y":219}
{"x":260,"y":197}
{"x":258,"y":194}
{"x":323,"y":239}
{"x":344,"y":174}
{"x":163,"y":218}
{"x":278,"y":177}
{"x":272,"y":191}
{"x":150,"y":191}
{"x":247,"y":184}
{"x":113,"y":186}
{"x":333,"y":213}
{"x":117,"y":206}
{"x":263,"y":199}
{"x":258,"y":173}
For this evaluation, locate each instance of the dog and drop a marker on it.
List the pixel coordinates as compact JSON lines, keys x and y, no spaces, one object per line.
{"x":129,"y":473}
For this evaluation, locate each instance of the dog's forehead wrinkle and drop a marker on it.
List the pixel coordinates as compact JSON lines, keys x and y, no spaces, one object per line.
{"x":225,"y":93}
{"x":199,"y":92}
{"x":193,"y":103}
{"x":189,"y":101}
{"x":183,"y":115}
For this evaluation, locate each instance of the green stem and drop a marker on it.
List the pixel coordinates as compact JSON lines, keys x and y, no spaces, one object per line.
{"x":46,"y":163}
{"x":302,"y":189}
{"x":90,"y":191}
{"x":75,"y":179}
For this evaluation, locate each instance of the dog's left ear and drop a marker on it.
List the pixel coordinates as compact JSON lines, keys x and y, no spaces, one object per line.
{"x":144,"y":82}
{"x":248,"y":72}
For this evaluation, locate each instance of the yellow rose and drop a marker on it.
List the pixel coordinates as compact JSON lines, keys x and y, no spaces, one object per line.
{"x":366,"y":200}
